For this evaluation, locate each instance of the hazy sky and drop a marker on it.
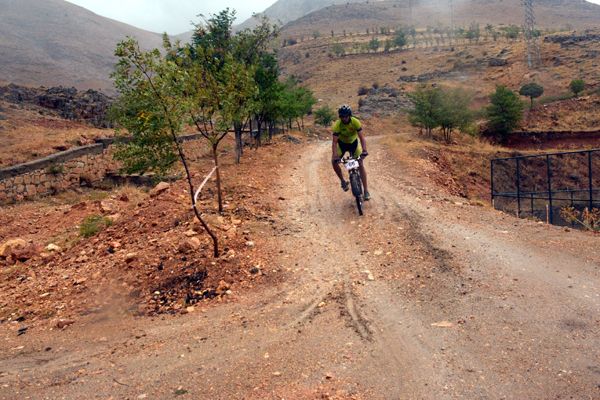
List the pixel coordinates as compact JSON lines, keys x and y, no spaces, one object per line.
{"x":172,"y":16}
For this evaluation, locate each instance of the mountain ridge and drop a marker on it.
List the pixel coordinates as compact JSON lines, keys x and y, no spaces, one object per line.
{"x":55,"y":43}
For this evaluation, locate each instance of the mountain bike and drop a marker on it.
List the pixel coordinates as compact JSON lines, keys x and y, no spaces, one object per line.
{"x":352,"y":166}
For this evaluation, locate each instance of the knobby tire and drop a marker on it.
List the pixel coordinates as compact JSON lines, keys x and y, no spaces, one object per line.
{"x":356,"y":185}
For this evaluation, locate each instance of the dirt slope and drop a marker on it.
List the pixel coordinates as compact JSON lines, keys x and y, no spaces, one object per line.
{"x":424,"y":297}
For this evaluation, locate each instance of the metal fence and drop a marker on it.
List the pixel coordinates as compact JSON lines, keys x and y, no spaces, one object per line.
{"x":539,"y":186}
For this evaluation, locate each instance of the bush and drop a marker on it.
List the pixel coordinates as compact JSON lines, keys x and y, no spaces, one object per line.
{"x":577,"y":86}
{"x":55,"y":169}
{"x":505,"y":112}
{"x":400,"y":39}
{"x":338,"y":49}
{"x":453,"y":112}
{"x":324,"y":116}
{"x":93,"y":224}
{"x":363,"y":90}
{"x":552,"y":99}
{"x":373,"y":45}
{"x":426,"y":101}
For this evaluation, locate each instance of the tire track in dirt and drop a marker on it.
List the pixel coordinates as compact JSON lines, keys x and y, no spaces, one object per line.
{"x":442,"y":318}
{"x":511,"y":301}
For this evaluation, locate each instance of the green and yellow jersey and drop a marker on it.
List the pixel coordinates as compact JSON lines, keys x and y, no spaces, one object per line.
{"x":347,"y":133}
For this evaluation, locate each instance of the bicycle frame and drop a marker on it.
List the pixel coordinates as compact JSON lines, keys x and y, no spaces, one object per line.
{"x":352,"y":165}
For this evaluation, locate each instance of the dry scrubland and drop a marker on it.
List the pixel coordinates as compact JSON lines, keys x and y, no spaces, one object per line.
{"x":440,"y":286}
{"x":29,"y":132}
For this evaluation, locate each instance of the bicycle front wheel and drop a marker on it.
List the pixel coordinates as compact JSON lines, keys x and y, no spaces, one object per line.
{"x":356,"y":185}
{"x":359,"y":204}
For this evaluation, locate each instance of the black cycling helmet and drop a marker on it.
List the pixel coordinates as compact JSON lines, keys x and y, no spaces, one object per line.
{"x":345,"y":111}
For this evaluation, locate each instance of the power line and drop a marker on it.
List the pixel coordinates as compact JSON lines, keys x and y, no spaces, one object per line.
{"x":533,"y":49}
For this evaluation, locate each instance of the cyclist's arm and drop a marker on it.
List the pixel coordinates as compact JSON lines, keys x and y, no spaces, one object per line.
{"x":363,"y":142}
{"x":334,"y":146}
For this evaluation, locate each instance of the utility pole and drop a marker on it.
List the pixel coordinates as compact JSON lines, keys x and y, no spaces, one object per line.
{"x":451,"y":5}
{"x":533,"y":49}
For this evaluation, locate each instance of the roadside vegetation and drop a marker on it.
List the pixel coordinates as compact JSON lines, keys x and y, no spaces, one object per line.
{"x":218,"y":81}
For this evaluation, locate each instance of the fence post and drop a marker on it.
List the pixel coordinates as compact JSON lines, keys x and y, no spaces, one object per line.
{"x":492,"y":180}
{"x":518,"y":188}
{"x":532,"y":205}
{"x":590,"y":180}
{"x":549,"y":173}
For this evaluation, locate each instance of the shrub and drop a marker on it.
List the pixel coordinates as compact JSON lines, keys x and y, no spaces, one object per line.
{"x":400,"y":39}
{"x":324,"y":116}
{"x":338,"y":49}
{"x":551,"y":99}
{"x":426,"y":101}
{"x":374,"y":45}
{"x":453,"y":112}
{"x":577,"y":86}
{"x":363,"y":90}
{"x":55,"y":169}
{"x":504,"y":112}
{"x":589,"y":220}
{"x":92,"y":224}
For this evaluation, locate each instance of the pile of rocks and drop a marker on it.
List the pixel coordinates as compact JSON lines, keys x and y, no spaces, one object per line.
{"x":383,"y":101}
{"x":90,"y":106}
{"x":572,"y":39}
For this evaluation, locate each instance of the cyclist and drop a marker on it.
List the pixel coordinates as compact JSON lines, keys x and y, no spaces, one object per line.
{"x":348,"y":136}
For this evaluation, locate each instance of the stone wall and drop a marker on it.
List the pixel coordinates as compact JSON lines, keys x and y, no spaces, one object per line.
{"x":81,"y":166}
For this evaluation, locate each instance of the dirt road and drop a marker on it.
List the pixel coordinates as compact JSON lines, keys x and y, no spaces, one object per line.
{"x":422,"y":298}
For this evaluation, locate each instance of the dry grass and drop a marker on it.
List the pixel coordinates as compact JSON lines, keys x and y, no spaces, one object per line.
{"x":335,"y":80}
{"x":26,"y":134}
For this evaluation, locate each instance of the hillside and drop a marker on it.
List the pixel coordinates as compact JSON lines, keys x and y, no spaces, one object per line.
{"x":54,"y":42}
{"x":357,"y":17}
{"x":477,"y":66}
{"x":289,"y":10}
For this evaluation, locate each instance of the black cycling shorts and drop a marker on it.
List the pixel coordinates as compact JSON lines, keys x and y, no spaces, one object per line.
{"x":354,"y":148}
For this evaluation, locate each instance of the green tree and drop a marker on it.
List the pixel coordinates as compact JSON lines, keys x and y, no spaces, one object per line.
{"x":473,"y":32}
{"x":504,"y":112}
{"x":227,"y":90}
{"x":413,"y":33}
{"x":426,"y":102}
{"x":400,"y":39}
{"x":453,"y":111}
{"x":577,"y":86}
{"x":374,"y":44}
{"x":152,"y":107}
{"x":531,"y":90}
{"x":387,"y":45}
{"x":324,"y":116}
{"x":252,"y":47}
{"x":489,"y":30}
{"x":294,"y":102}
{"x":512,"y":32}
